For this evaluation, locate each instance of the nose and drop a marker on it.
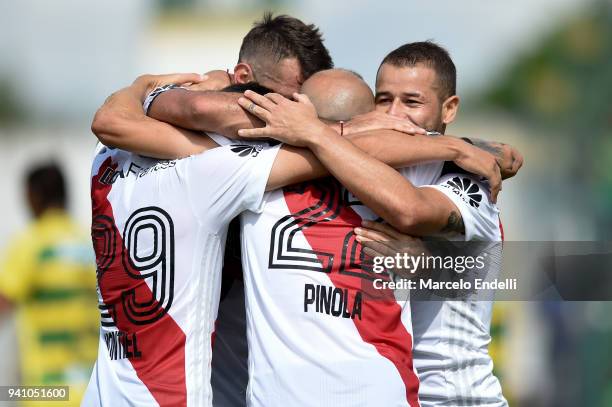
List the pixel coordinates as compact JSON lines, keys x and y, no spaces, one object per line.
{"x":394,"y":109}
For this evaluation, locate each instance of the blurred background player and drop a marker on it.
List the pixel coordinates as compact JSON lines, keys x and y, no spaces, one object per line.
{"x":47,"y":276}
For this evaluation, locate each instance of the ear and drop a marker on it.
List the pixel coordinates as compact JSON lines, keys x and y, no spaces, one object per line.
{"x":449,"y":109}
{"x":243,"y":73}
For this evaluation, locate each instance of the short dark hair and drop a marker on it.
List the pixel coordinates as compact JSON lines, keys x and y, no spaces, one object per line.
{"x":286,"y":37}
{"x":47,"y":182}
{"x":432,"y":55}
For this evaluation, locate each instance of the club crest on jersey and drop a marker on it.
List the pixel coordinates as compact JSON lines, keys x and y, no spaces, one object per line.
{"x":244,"y":150}
{"x":466,"y":189}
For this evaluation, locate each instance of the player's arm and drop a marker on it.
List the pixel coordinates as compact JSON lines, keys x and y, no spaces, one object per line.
{"x":509,"y":158}
{"x":295,"y":164}
{"x":477,"y":218}
{"x":412,"y":210}
{"x":213,"y":111}
{"x":203,"y":107}
{"x":121,"y":123}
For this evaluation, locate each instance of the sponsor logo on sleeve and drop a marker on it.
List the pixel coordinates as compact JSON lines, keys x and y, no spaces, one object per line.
{"x":466,"y":189}
{"x":244,"y":150}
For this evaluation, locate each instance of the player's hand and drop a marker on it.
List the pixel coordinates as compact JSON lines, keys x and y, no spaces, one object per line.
{"x":215,"y":80}
{"x":292,"y":122}
{"x":381,"y":240}
{"x":480,"y":162}
{"x":147,"y":83}
{"x":509,"y":159}
{"x":376,"y":120}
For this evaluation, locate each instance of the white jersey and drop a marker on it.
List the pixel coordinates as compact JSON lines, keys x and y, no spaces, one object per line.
{"x":159,"y":230}
{"x":451,"y":338}
{"x":319,"y":334}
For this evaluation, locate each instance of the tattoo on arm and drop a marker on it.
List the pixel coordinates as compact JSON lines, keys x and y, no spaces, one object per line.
{"x":489,"y":146}
{"x":454,"y":224}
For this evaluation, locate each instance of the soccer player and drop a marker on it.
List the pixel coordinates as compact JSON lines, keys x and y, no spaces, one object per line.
{"x":159,"y":230}
{"x":417,"y":82}
{"x":48,"y":277}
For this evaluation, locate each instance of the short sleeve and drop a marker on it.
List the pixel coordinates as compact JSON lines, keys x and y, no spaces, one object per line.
{"x":227,"y":180}
{"x":155,"y":93}
{"x":472,"y":198}
{"x":16,"y":270}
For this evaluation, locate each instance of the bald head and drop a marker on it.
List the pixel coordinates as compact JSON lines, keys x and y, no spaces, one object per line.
{"x":338,"y":94}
